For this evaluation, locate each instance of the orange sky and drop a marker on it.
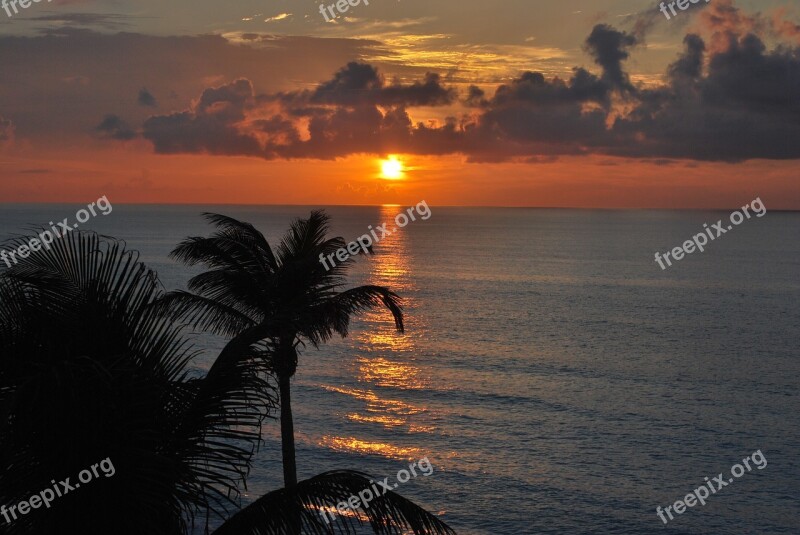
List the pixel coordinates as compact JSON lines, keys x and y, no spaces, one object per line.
{"x":279,"y":115}
{"x":131,"y":177}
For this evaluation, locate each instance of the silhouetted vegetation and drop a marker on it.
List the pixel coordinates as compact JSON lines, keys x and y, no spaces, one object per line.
{"x":95,"y":363}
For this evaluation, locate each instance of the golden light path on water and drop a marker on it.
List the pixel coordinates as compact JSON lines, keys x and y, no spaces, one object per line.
{"x":385,"y":358}
{"x":354,"y":445}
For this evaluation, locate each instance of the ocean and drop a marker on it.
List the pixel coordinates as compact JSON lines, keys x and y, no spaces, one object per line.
{"x":556,"y":378}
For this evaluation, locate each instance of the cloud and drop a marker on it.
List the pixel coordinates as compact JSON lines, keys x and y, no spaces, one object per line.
{"x":6,"y":130}
{"x":342,"y":116}
{"x":734,"y":101}
{"x":476,"y":97}
{"x":748,"y":78}
{"x":609,"y":48}
{"x":109,"y":21}
{"x":732,"y":93}
{"x":534,"y":89}
{"x":79,"y":82}
{"x":723,"y":19}
{"x":357,"y":111}
{"x":360,"y":84}
{"x":783,"y":27}
{"x":690,"y":65}
{"x":276,"y":18}
{"x":746,"y":106}
{"x":210,"y":126}
{"x":72,"y":2}
{"x":146,"y":98}
{"x":113,"y":127}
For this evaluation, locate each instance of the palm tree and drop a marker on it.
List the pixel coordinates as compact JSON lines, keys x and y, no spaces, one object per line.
{"x":90,"y":370}
{"x":286,"y":293}
{"x":280,"y":300}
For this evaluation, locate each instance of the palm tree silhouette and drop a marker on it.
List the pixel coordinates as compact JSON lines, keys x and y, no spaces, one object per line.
{"x":90,"y":370}
{"x":288,"y":294}
{"x":93,"y":367}
{"x":272,"y":302}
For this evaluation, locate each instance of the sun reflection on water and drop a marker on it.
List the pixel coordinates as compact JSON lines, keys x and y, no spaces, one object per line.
{"x":385,"y":357}
{"x":376,"y":404}
{"x":381,"y":371}
{"x":355,"y":445}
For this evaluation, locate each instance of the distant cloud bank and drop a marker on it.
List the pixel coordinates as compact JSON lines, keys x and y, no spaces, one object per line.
{"x":732,"y":94}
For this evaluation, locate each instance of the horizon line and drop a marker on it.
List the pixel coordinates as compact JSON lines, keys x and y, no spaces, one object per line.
{"x":611,"y":209}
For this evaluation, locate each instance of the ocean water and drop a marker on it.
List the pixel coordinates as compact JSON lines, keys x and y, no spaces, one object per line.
{"x":556,"y":378}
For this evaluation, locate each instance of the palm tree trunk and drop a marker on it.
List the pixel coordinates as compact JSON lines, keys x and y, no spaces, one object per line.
{"x":287,"y":434}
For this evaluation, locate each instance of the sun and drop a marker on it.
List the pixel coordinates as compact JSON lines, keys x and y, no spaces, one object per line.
{"x":392,"y":168}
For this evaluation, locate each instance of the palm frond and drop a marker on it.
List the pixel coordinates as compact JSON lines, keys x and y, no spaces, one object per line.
{"x":224,"y":253}
{"x":304,"y":237}
{"x":334,"y":314}
{"x":279,"y":512}
{"x":245,"y":233}
{"x":234,"y":288}
{"x":85,"y":356}
{"x":205,"y":313}
{"x":220,"y":430}
{"x":91,"y":368}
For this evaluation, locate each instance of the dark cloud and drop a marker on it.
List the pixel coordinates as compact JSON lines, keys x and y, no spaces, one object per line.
{"x":103,"y":20}
{"x":747,"y":105}
{"x":113,"y":127}
{"x":609,"y":48}
{"x":348,"y":82}
{"x":356,"y":111}
{"x":62,"y":80}
{"x":210,"y":126}
{"x":476,"y":97}
{"x":689,"y":67}
{"x":726,"y":97}
{"x":146,"y":98}
{"x":533,"y":88}
{"x":6,"y":129}
{"x":359,"y":84}
{"x":747,"y":77}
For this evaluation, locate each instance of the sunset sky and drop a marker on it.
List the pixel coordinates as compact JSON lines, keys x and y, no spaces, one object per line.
{"x":602,"y":103}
